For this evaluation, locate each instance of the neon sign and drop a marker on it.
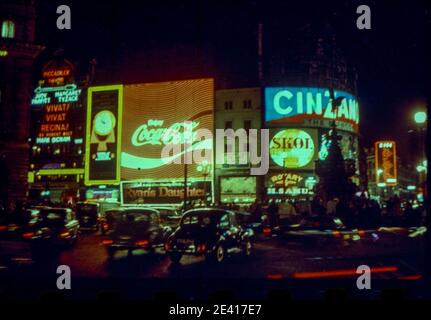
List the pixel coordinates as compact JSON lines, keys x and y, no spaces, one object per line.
{"x":386,"y":162}
{"x":176,"y":134}
{"x":298,"y":104}
{"x":161,"y":115}
{"x":67,"y":93}
{"x":292,"y":148}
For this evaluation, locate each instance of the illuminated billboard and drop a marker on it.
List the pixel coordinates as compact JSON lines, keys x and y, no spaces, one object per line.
{"x":310,"y":107}
{"x":163,"y":191}
{"x":290,"y":183}
{"x":103,"y":138}
{"x":293,"y":148}
{"x":153,"y":113}
{"x":386,"y":163}
{"x":237,"y":189}
{"x":56,"y":109}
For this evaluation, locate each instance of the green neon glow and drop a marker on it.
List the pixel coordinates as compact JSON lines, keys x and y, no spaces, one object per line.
{"x":420,"y":117}
{"x":3,"y":53}
{"x":8,"y":29}
{"x":292,"y":148}
{"x":119,"y":87}
{"x":47,"y":172}
{"x":134,"y":162}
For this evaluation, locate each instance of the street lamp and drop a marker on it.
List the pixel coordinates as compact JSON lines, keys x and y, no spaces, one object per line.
{"x":420,"y":117}
{"x":204,"y":168}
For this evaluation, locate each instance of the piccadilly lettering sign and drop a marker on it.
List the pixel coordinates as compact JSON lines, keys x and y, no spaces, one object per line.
{"x":56,"y":108}
{"x":103,"y":138}
{"x":162,"y":192}
{"x":293,"y":148}
{"x":302,"y":104}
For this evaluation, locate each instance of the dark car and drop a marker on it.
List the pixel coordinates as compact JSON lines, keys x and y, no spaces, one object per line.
{"x":211,"y":232}
{"x":136,"y":228}
{"x":248,"y":221}
{"x":169,"y":216}
{"x":14,"y":249}
{"x":318,"y":229}
{"x":13,"y":225}
{"x":56,"y":226}
{"x":107,"y":220}
{"x":88,"y":215}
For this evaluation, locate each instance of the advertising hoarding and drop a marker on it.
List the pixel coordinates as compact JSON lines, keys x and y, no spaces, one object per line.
{"x":162,"y":192}
{"x":289,"y":183}
{"x":386,"y":162}
{"x":238,"y":189}
{"x":300,"y":105}
{"x":293,"y":148}
{"x":156,"y":112}
{"x":103,"y":137}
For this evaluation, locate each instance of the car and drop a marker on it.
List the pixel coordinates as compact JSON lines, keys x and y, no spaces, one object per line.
{"x":14,"y":249}
{"x":170,"y":216}
{"x":136,"y":228}
{"x":13,"y":225}
{"x":56,"y":226}
{"x":107,"y":220}
{"x":246,"y":220}
{"x":211,"y":232}
{"x":88,"y":215}
{"x":317,"y":229}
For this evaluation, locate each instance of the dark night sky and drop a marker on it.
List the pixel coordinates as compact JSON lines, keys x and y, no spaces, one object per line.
{"x":390,"y":59}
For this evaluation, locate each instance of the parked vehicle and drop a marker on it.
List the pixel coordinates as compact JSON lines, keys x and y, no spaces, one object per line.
{"x":88,"y":215}
{"x":136,"y":228}
{"x":211,"y":232}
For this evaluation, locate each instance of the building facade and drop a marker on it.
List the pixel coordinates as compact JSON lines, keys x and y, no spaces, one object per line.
{"x":238,"y":109}
{"x":57,"y":131}
{"x":17,"y":54}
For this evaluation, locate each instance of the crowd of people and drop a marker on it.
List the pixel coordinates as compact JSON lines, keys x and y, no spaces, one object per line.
{"x":361,"y":212}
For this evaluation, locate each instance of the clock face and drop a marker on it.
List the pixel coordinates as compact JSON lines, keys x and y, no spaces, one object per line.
{"x":104,"y":122}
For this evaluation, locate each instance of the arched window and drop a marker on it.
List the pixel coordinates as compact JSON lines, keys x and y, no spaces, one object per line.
{"x":8,"y":29}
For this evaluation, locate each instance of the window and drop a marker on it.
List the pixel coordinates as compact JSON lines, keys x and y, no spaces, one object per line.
{"x":233,"y":221}
{"x":246,"y":104}
{"x":228,"y":105}
{"x":224,"y":222}
{"x":8,"y":29}
{"x":228,"y":125}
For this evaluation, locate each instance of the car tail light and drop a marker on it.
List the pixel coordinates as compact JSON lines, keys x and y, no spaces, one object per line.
{"x":107,"y":242}
{"x":28,"y":235}
{"x":168,"y":245}
{"x":202,"y":247}
{"x":142,"y":243}
{"x":2,"y":228}
{"x":336,"y":234}
{"x":361,"y":233}
{"x":65,"y":234}
{"x":266,"y":231}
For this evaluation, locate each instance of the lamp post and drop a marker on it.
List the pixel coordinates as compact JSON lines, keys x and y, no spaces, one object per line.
{"x":420,"y":119}
{"x":205,"y":169}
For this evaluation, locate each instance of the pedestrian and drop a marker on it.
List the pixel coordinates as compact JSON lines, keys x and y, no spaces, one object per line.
{"x":273,"y":213}
{"x":255,"y":211}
